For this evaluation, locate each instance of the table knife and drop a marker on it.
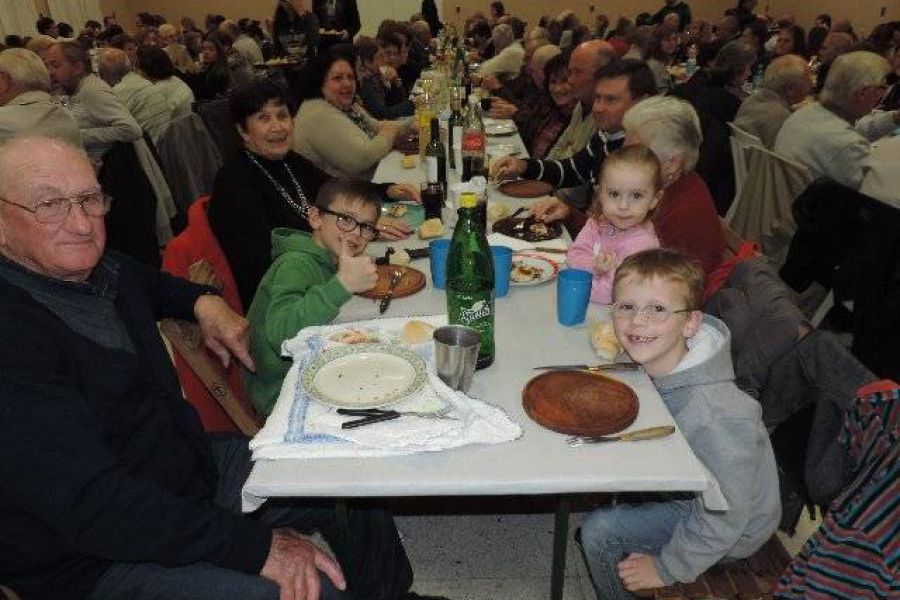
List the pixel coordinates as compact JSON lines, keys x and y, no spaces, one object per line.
{"x":550,"y":250}
{"x":624,"y":366}
{"x":396,"y":276}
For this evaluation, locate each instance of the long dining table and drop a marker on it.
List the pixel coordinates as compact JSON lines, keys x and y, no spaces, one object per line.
{"x":539,"y":462}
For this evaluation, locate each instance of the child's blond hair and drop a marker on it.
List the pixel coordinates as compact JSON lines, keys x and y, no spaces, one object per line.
{"x":665,"y":264}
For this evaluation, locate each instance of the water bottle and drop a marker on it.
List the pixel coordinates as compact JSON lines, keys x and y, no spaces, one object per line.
{"x":470,"y":279}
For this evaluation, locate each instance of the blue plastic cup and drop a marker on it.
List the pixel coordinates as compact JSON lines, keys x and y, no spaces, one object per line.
{"x":573,"y":291}
{"x":438,"y":250}
{"x":502,"y":266}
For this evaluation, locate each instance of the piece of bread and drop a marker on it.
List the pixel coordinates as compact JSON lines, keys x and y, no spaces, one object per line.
{"x":408,"y":161}
{"x":496,"y":211}
{"x":417,"y":332}
{"x":431,"y":228}
{"x":603,"y":339}
{"x":397,"y":210}
{"x":399,"y":257}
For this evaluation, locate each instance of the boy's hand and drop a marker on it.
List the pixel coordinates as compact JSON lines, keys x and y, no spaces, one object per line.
{"x":356,"y":273}
{"x":638,"y":572}
{"x":605,"y":261}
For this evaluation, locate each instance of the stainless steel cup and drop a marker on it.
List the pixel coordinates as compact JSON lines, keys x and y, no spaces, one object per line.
{"x":456,"y":351}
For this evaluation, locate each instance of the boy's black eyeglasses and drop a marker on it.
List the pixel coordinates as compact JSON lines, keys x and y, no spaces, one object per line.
{"x":347,"y":223}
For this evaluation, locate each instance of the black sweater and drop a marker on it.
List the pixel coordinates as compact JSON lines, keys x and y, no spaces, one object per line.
{"x":102,"y":459}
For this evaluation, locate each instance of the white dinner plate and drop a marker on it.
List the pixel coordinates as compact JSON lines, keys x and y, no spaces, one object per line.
{"x":548,"y":269}
{"x":364,"y":375}
{"x":496,"y":127}
{"x":500,"y":150}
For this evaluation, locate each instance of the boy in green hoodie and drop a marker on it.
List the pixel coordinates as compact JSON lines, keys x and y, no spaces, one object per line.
{"x":311,"y":277}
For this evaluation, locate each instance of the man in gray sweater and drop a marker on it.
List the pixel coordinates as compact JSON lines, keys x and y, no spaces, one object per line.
{"x":630,"y":547}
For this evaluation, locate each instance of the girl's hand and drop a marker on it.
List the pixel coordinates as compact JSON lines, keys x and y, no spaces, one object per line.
{"x":638,"y":572}
{"x":605,"y":261}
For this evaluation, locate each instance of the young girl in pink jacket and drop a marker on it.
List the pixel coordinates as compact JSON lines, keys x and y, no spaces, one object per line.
{"x":619,"y":225}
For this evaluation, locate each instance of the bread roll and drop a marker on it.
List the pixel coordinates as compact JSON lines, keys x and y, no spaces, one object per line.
{"x":417,"y":332}
{"x":399,"y":257}
{"x":431,"y":228}
{"x":603,"y":339}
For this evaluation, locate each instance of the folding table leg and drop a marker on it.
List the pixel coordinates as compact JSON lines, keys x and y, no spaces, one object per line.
{"x":560,"y":543}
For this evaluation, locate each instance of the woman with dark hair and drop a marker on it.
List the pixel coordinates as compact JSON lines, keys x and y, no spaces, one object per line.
{"x":381,"y":99}
{"x":716,"y":93}
{"x":268,"y":185}
{"x":791,"y":40}
{"x":756,"y":34}
{"x":212,"y":79}
{"x":660,"y":54}
{"x":156,"y":66}
{"x":331,"y":130}
{"x":430,"y":14}
{"x":552,"y":116}
{"x":295,"y":30}
{"x":497,"y":11}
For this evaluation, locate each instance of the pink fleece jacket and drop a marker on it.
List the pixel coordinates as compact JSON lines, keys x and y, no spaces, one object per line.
{"x":599,"y":236}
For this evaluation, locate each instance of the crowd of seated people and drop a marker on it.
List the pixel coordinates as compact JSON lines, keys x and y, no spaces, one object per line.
{"x":76,"y":106}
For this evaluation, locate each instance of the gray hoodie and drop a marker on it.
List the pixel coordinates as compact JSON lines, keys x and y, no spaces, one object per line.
{"x":724,"y":427}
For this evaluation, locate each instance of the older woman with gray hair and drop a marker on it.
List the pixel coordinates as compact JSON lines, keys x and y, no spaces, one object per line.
{"x":685,"y":219}
{"x":509,"y":56}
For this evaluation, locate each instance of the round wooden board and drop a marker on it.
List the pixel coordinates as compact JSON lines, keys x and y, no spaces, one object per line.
{"x":412,"y":281}
{"x":580,"y":403}
{"x":525,"y":188}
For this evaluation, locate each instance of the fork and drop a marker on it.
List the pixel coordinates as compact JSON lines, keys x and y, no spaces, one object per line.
{"x":377,"y":415}
{"x":650,"y":433}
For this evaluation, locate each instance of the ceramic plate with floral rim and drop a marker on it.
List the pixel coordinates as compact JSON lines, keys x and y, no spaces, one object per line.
{"x":364,"y":375}
{"x":528,"y":269}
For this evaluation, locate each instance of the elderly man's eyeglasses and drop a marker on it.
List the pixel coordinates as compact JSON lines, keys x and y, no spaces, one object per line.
{"x":57,"y":210}
{"x":347,"y":223}
{"x":655,"y":313}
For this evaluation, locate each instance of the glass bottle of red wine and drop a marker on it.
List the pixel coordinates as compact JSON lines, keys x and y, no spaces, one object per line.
{"x":470,"y":279}
{"x":473,"y":142}
{"x":435,"y":173}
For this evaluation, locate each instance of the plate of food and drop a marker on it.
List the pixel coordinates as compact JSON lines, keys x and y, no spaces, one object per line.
{"x":411,"y":281}
{"x":528,"y":229}
{"x":411,"y":212}
{"x":364,"y":375}
{"x":528,"y":269}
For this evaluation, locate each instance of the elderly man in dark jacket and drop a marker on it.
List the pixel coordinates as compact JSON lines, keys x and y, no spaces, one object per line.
{"x":110,"y":487}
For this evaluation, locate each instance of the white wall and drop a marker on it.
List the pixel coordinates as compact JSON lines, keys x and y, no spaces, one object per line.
{"x":373,"y":12}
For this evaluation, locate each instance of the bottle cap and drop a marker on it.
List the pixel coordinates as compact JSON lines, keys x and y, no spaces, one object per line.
{"x":468,"y":200}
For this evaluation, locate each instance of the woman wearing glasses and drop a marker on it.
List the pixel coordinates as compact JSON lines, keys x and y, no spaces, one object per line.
{"x":268,"y":186}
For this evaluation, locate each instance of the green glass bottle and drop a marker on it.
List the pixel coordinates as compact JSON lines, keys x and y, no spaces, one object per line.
{"x":470,"y":279}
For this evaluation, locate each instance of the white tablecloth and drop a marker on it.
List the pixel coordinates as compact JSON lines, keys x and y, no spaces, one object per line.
{"x":527,"y":334}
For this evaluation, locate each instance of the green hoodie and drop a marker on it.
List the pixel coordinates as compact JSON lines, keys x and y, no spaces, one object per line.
{"x":300,"y":289}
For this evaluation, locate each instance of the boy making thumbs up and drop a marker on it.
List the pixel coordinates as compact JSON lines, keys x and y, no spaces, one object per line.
{"x":311,"y":277}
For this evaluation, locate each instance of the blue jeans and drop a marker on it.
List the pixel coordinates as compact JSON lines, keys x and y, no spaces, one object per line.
{"x":370,"y":552}
{"x":609,"y":534}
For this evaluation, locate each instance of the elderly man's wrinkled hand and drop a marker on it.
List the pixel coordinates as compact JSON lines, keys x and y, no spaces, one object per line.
{"x":225,"y":332}
{"x":549,"y":209}
{"x":294,"y":564}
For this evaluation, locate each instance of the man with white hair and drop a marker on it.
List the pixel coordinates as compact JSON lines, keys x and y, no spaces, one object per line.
{"x":146,"y":102}
{"x":822,"y":135}
{"x":111,"y":488}
{"x":25,"y":101}
{"x":787,"y":82}
{"x":509,"y":57}
{"x":101,"y":117}
{"x":243,"y":44}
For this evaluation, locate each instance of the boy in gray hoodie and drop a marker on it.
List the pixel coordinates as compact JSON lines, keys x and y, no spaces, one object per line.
{"x":630,"y":547}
